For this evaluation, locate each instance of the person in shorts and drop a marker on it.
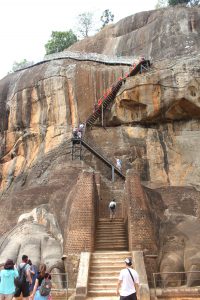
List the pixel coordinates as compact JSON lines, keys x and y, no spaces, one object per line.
{"x":24,"y":290}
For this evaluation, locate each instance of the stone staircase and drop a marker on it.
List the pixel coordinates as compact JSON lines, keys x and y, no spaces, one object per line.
{"x":104,"y":272}
{"x":108,"y":259}
{"x":111,"y":235}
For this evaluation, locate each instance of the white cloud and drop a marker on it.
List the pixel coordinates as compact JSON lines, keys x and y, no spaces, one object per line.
{"x":26,"y":25}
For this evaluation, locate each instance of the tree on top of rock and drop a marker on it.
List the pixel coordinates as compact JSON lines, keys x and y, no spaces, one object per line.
{"x":85,"y":23}
{"x":106,"y":17}
{"x":175,"y":2}
{"x":59,"y":41}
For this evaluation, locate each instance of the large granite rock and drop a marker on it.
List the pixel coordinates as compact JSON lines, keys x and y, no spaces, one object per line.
{"x":153,"y":125}
{"x":157,"y":34}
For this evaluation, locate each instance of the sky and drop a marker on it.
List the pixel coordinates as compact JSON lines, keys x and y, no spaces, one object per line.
{"x":26,"y":25}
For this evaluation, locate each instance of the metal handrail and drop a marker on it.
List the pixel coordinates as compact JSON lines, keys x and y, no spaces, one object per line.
{"x":99,"y":155}
{"x":157,"y":281}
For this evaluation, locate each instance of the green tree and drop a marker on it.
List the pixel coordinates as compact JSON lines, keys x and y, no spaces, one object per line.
{"x":59,"y":41}
{"x":161,"y":3}
{"x":21,"y":64}
{"x":175,"y":2}
{"x":106,"y":17}
{"x":85,"y":23}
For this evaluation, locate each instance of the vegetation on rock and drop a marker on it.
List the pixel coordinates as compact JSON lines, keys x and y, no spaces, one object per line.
{"x":59,"y":41}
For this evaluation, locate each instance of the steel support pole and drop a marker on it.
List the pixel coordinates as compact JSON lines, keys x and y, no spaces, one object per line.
{"x":102,"y":115}
{"x":113,"y":174}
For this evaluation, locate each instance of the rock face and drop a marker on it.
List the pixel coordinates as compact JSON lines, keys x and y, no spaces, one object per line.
{"x":157,"y":34}
{"x":152,"y":125}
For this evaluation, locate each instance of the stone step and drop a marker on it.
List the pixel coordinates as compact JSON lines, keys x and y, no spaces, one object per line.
{"x":107,"y":267}
{"x":109,"y":273}
{"x":106,"y":279}
{"x":107,"y":261}
{"x":111,"y":254}
{"x":102,"y":286}
{"x":103,"y":298}
{"x":106,"y":293}
{"x":102,"y":268}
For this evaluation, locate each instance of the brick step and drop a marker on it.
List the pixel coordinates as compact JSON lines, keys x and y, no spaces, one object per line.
{"x":116,"y":249}
{"x":109,"y":243}
{"x":112,"y":246}
{"x":111,"y":238}
{"x":110,"y":228}
{"x":107,"y":219}
{"x":111,"y":221}
{"x":111,"y":232}
{"x":107,"y":229}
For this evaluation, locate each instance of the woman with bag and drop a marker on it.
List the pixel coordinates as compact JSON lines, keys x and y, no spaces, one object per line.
{"x":42,"y":287}
{"x":7,"y":285}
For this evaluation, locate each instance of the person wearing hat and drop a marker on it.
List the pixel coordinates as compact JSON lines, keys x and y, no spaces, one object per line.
{"x":128,"y":281}
{"x":7,"y":286}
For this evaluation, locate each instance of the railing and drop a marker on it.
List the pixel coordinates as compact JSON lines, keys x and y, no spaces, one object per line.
{"x":179,"y":283}
{"x":59,"y":285}
{"x":96,"y":152}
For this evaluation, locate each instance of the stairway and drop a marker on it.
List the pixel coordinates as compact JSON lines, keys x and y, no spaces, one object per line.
{"x":104,"y":272}
{"x":108,"y":259}
{"x":109,"y":98}
{"x":111,"y":235}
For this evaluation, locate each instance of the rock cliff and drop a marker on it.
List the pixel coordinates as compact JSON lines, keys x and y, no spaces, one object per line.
{"x":152,"y":125}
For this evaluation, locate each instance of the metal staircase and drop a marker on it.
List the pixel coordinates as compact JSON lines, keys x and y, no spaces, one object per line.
{"x":105,"y":101}
{"x":77,"y":147}
{"x":78,"y":143}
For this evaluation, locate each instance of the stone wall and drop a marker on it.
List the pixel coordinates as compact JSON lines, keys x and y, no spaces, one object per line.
{"x":80,"y":227}
{"x":141,"y":231}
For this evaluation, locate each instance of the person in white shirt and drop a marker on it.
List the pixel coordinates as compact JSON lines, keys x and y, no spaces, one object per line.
{"x":119,"y":164}
{"x":112,"y":207}
{"x":129,"y":282}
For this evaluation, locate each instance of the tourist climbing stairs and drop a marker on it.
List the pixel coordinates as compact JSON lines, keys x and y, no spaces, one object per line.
{"x":108,"y":259}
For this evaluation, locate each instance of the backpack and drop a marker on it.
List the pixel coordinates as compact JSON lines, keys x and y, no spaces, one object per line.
{"x":45,"y":287}
{"x":21,"y":279}
{"x":112,"y":206}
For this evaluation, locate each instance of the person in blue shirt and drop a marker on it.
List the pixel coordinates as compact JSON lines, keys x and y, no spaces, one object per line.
{"x":7,"y":285}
